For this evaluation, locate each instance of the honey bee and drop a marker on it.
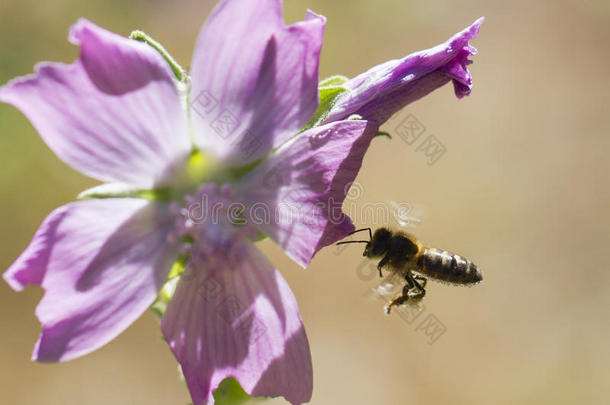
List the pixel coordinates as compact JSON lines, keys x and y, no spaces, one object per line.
{"x":404,"y":256}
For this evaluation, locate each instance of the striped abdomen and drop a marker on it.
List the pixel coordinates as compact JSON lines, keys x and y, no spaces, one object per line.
{"x":446,"y":266}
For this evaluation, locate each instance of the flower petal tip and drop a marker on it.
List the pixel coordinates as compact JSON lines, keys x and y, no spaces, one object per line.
{"x":8,"y":90}
{"x":457,"y":69}
{"x":474,"y":28}
{"x":313,"y":16}
{"x":77,"y":29}
{"x":10,"y":279}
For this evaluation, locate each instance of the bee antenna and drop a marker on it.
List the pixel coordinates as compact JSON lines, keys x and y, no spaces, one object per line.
{"x":363,"y":229}
{"x":353,"y":241}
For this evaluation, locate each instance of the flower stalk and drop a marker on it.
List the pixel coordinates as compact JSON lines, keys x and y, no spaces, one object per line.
{"x":141,"y":36}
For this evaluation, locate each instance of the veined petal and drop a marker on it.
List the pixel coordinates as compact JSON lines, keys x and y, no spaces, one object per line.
{"x":233,"y":315}
{"x":385,"y":89}
{"x":295,"y":195}
{"x":114,"y":114}
{"x":254,"y":79}
{"x":101,"y":264}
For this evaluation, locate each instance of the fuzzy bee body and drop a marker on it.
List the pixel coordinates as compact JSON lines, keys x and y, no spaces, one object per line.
{"x":401,"y":253}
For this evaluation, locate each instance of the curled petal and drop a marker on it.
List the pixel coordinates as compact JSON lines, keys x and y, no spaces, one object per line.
{"x":254,"y":79}
{"x":233,"y":315}
{"x":101,"y":264}
{"x":295,"y":195}
{"x":114,"y":114}
{"x":385,"y":89}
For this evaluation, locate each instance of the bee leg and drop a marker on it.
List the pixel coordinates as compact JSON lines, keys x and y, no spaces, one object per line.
{"x":411,"y":279}
{"x":398,"y":300}
{"x":421,"y":279}
{"x":382,"y":263}
{"x":402,"y":298}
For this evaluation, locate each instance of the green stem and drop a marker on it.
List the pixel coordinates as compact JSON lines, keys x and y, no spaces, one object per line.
{"x":141,"y":36}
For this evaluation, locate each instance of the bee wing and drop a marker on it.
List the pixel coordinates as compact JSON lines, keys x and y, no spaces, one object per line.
{"x":390,"y":285}
{"x":406,"y":214}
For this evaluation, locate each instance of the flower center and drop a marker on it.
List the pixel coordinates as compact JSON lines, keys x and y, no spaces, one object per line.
{"x":210,"y":222}
{"x":186,"y":176}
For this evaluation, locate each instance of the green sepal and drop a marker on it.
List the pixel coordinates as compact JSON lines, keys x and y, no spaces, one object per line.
{"x":178,"y":267}
{"x":165,"y":295}
{"x":238,"y":172}
{"x":229,"y":392}
{"x":159,"y":307}
{"x":329,"y":91}
{"x":333,"y":81}
{"x":169,"y":288}
{"x":120,"y":190}
{"x":141,"y":36}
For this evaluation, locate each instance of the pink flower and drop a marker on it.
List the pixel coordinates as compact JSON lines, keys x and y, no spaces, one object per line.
{"x":194,"y":173}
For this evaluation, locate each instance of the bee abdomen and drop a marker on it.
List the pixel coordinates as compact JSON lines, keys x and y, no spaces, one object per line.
{"x":446,"y":266}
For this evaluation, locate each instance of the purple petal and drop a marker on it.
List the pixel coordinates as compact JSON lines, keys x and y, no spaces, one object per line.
{"x":385,"y":89}
{"x":236,"y":317}
{"x":295,"y":195}
{"x":254,"y":79}
{"x":101,"y":264}
{"x":114,"y":114}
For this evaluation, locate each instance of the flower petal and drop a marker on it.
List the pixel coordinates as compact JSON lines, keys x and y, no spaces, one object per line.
{"x":101,"y":264}
{"x":233,"y":315}
{"x":114,"y":114}
{"x":295,"y":195}
{"x":254,"y":79}
{"x":385,"y":89}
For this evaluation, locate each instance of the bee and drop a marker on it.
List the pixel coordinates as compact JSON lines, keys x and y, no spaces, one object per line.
{"x":403,"y":255}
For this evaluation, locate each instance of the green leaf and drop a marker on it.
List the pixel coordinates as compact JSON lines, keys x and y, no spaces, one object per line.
{"x":141,"y":36}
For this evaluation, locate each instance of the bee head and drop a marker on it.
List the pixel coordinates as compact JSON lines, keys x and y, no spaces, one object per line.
{"x":379,"y":244}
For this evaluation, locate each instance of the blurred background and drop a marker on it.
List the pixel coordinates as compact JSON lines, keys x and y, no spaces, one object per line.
{"x":522,"y":189}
